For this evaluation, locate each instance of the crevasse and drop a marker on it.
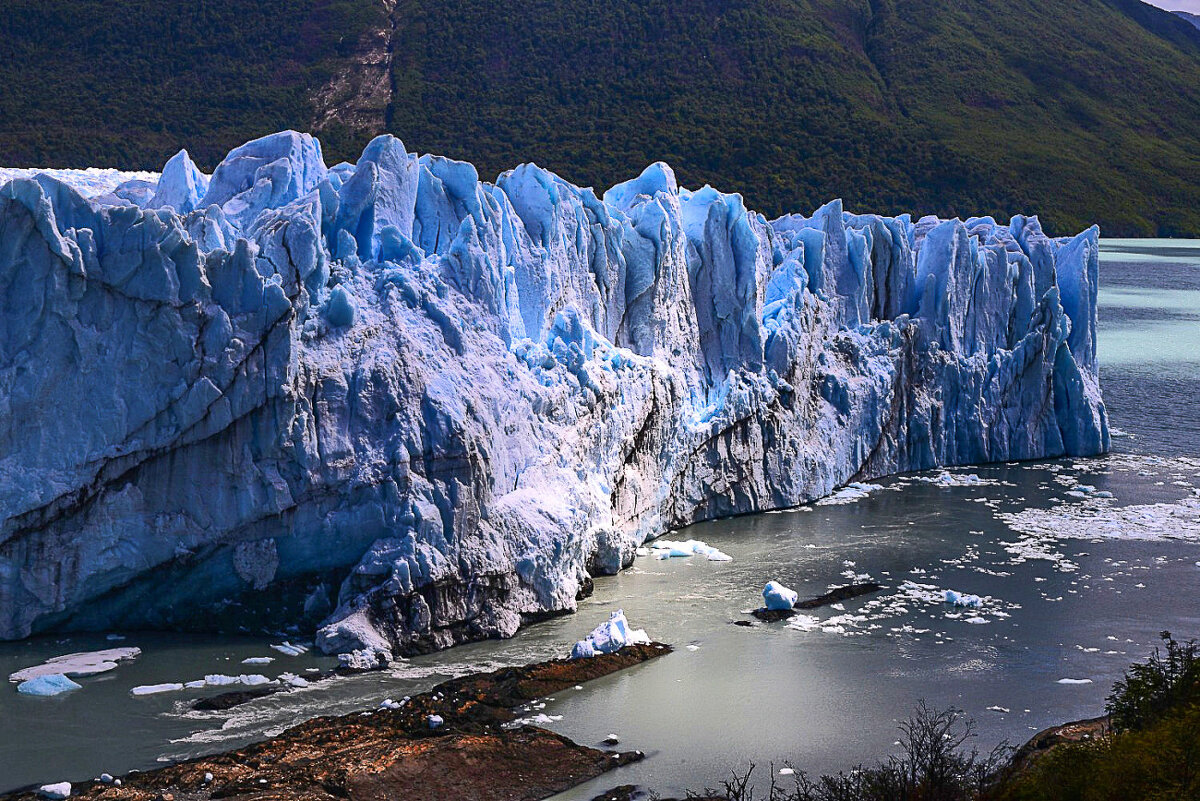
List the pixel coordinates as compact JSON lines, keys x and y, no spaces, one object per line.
{"x":404,"y":408}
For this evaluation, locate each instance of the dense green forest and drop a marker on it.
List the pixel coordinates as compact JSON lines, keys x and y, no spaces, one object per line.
{"x":1079,"y":110}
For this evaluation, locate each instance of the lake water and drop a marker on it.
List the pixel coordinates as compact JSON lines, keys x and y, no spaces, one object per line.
{"x":1077,"y":585}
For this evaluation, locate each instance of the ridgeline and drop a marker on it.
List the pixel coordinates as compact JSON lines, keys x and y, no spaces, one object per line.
{"x":1080,"y":112}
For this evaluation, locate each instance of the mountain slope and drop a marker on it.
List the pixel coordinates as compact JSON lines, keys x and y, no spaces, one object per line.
{"x":1079,"y":111}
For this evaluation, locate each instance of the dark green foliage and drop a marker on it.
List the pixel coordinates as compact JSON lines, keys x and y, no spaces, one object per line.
{"x":1079,"y":110}
{"x":129,"y":82}
{"x":1159,"y":762}
{"x":1152,"y":688}
{"x":1073,"y":110}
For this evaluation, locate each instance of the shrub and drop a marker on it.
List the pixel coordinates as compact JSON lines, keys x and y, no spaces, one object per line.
{"x":1151,"y":688}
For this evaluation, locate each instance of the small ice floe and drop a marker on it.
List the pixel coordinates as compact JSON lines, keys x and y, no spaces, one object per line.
{"x":1074,"y":681}
{"x":1002,"y":709}
{"x":258,"y":660}
{"x":665,"y":549}
{"x":106,"y":778}
{"x":434,"y":721}
{"x":86,"y":663}
{"x":956,"y":598}
{"x":221,"y":680}
{"x":612,"y":739}
{"x":948,"y":479}
{"x":778,"y":597}
{"x":611,"y":635}
{"x":854,"y":491}
{"x":388,"y":703}
{"x":289,"y":649}
{"x":55,"y":792}
{"x":53,"y":684}
{"x":541,"y":719}
{"x":292,"y":680}
{"x":155,"y":689}
{"x":115,"y":637}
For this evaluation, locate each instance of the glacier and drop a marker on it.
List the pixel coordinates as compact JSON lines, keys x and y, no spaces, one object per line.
{"x":401,"y":408}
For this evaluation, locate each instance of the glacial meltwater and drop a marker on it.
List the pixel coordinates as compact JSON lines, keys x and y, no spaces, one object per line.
{"x":1080,"y":564}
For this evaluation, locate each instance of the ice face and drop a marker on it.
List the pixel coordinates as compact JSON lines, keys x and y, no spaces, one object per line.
{"x":403,"y":408}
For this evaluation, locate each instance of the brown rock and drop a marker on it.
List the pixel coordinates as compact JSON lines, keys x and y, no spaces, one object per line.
{"x":393,"y":754}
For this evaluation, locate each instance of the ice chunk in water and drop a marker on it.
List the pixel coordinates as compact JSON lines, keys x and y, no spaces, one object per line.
{"x":962,"y":599}
{"x":51,"y":684}
{"x":777,"y":596}
{"x":55,"y":792}
{"x":612,"y":635}
{"x":665,"y":549}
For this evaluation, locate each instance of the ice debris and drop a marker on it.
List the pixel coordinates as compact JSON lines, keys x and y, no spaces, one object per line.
{"x":55,"y":792}
{"x":611,"y":635}
{"x":854,"y":491}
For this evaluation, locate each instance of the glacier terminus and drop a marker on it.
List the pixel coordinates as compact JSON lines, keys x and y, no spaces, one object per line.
{"x":402,"y":408}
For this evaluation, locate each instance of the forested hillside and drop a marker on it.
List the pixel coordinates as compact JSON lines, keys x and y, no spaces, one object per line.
{"x":1079,"y":110}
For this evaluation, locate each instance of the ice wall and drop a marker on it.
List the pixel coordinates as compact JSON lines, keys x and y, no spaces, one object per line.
{"x":406,"y":408}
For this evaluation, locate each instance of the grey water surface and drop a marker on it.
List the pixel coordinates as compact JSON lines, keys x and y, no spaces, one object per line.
{"x":1064,"y":599}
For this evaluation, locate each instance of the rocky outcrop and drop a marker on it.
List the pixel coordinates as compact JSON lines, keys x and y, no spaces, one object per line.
{"x":409,"y":408}
{"x":462,"y":739}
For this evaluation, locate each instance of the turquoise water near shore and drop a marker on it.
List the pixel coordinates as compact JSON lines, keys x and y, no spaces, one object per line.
{"x":1065,"y":599}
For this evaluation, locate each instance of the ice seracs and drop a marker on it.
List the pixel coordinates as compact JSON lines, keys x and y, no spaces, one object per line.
{"x":403,"y":408}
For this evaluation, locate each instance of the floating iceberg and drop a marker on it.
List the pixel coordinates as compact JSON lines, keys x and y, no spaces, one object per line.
{"x":854,"y":491}
{"x":155,"y":689}
{"x":956,"y":598}
{"x":612,"y":635}
{"x":778,"y":597}
{"x":403,"y":408}
{"x":81,"y":664}
{"x":948,"y":479}
{"x":665,"y":549}
{"x":47,"y":684}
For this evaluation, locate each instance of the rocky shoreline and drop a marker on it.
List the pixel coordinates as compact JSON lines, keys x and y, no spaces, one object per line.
{"x":462,"y":739}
